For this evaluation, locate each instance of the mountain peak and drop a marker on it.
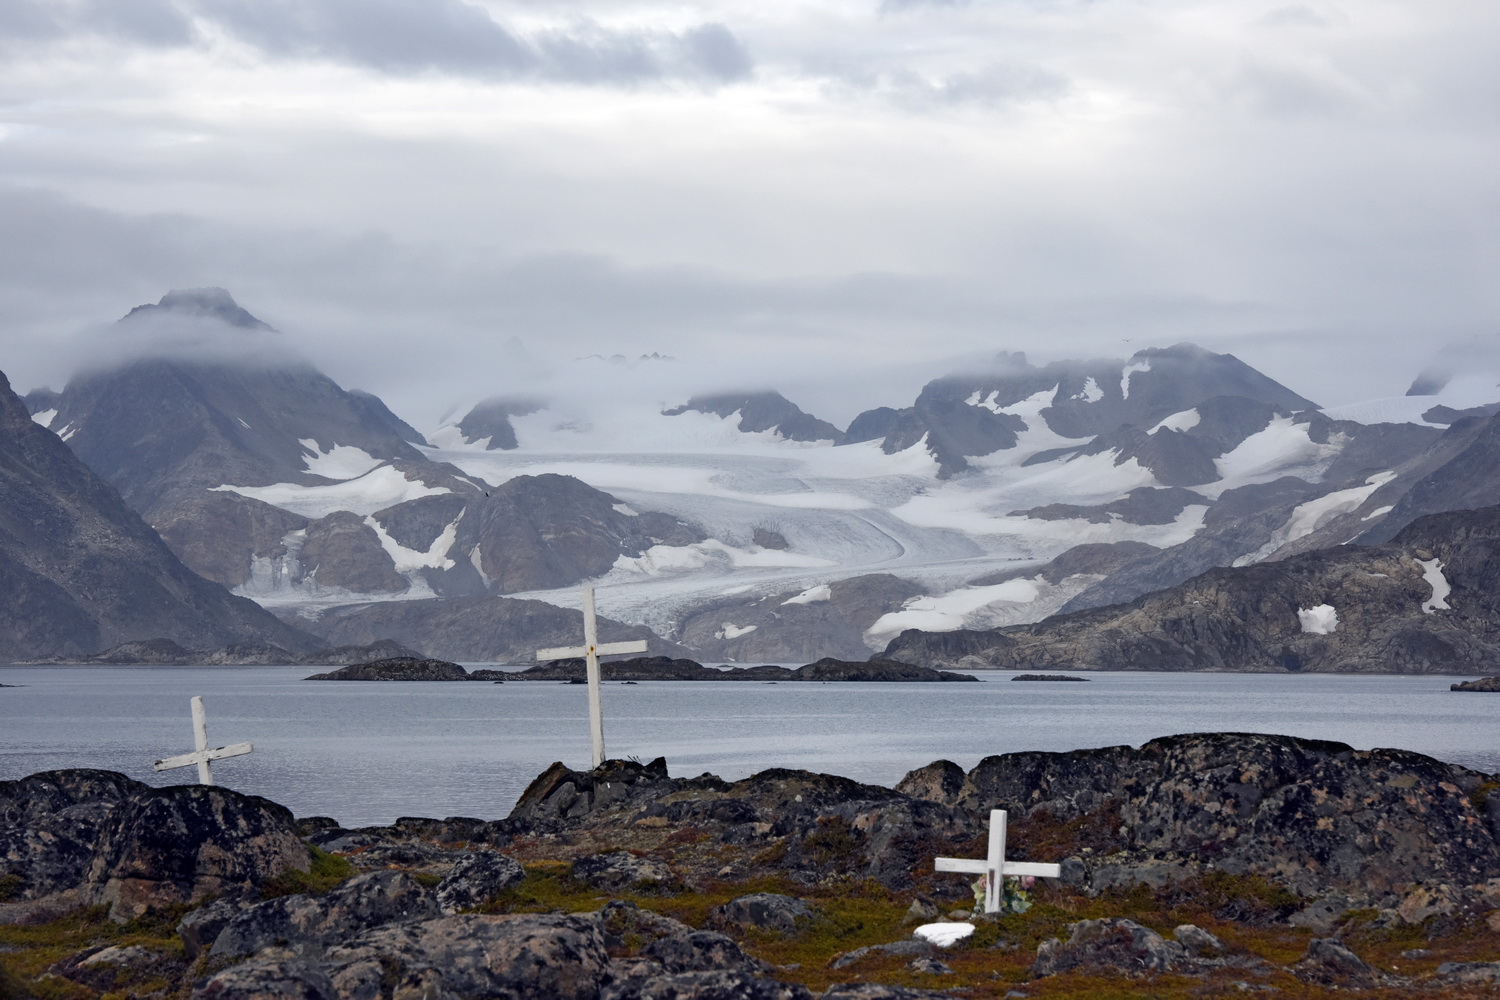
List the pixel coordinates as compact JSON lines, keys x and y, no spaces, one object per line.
{"x":215,"y":303}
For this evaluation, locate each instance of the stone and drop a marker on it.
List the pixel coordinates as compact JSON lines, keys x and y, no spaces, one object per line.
{"x":764,"y":910}
{"x":1111,"y":944}
{"x":1331,"y":963}
{"x":621,"y":870}
{"x":879,"y":991}
{"x":714,"y":985}
{"x":700,"y":951}
{"x":1469,"y":972}
{"x":268,"y":979}
{"x":1196,"y":940}
{"x":309,"y":924}
{"x":930,"y":966}
{"x":624,"y":920}
{"x":913,"y":947}
{"x":182,"y":843}
{"x":200,"y":928}
{"x":551,"y":956}
{"x":114,"y":967}
{"x":1427,"y":901}
{"x":475,"y":879}
{"x":1322,"y":915}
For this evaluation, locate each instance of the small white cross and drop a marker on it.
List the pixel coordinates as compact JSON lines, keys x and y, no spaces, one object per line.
{"x":591,"y":650}
{"x":202,"y":755}
{"x":995,"y":867}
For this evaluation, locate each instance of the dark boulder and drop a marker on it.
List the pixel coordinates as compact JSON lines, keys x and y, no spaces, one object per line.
{"x":475,"y":879}
{"x":763,"y":910}
{"x":621,"y":871}
{"x":1111,"y":944}
{"x":309,"y":924}
{"x":1330,"y":963}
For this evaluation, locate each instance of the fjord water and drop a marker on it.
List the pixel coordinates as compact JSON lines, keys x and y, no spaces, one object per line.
{"x":367,"y":753}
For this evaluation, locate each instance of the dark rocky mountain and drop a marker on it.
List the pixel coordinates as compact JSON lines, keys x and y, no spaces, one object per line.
{"x":82,"y":571}
{"x":1424,"y":603}
{"x":472,"y":629}
{"x":762,"y":411}
{"x":489,"y":421}
{"x":964,"y":416}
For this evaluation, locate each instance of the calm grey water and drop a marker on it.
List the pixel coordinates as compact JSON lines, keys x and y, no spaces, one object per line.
{"x":367,"y":753}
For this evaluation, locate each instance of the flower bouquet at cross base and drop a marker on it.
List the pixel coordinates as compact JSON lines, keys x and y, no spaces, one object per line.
{"x":1015,"y":894}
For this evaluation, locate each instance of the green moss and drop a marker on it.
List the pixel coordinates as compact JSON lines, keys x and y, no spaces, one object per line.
{"x":430,"y":879}
{"x":326,"y":871}
{"x":1478,"y":798}
{"x":10,"y":887}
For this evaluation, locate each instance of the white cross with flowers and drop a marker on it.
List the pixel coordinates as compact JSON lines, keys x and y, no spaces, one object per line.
{"x":995,"y":867}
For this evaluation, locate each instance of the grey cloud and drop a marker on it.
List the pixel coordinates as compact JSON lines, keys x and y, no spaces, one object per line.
{"x":452,"y":36}
{"x":148,"y":22}
{"x":1294,"y":16}
{"x":1286,"y":92}
{"x":994,"y":86}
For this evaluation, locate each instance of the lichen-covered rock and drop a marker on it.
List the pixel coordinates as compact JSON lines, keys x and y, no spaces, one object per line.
{"x":1330,"y":963}
{"x":100,"y":837}
{"x":878,"y":991}
{"x":764,"y":910}
{"x":700,"y":951}
{"x":1197,"y":941}
{"x":200,"y":928}
{"x":306,"y":925}
{"x":1111,"y":944}
{"x":621,"y":870}
{"x":1470,"y":972}
{"x":623,"y":920}
{"x":540,"y":956}
{"x":184,"y":842}
{"x":268,"y":979}
{"x":475,"y":879}
{"x":715,"y":985}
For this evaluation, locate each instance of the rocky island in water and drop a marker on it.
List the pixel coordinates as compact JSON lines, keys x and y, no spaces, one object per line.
{"x":643,"y":668}
{"x":1196,"y":866}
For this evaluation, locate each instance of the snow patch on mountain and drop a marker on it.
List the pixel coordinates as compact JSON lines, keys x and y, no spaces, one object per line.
{"x":44,"y":417}
{"x":1184,"y":421}
{"x":411,"y":560}
{"x":732,"y":631}
{"x":811,"y":595}
{"x":1432,"y":572}
{"x":1283,"y":447}
{"x":1010,"y":603}
{"x":1129,"y":370}
{"x":338,"y":462}
{"x":377,"y":489}
{"x":1308,"y":517}
{"x":1091,"y":392}
{"x":1321,"y":620}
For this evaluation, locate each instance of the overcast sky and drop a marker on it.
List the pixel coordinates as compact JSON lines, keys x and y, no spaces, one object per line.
{"x":850,"y":193}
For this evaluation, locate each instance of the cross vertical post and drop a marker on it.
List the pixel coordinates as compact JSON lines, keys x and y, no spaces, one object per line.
{"x":591,"y":661}
{"x":200,"y":740}
{"x":591,"y":651}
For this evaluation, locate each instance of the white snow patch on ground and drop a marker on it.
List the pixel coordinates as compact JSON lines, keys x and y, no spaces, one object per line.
{"x":339,"y":462}
{"x":1280,"y":448}
{"x":1129,"y":370}
{"x":449,"y":437}
{"x":944,"y":934}
{"x":44,"y":417}
{"x":1432,"y":572}
{"x":1027,"y":409}
{"x":375,"y":490}
{"x":67,"y":432}
{"x":1377,"y":512}
{"x":243,"y":424}
{"x":624,"y":508}
{"x":1308,"y":517}
{"x":410,"y":560}
{"x":732,"y":631}
{"x":811,"y":595}
{"x":1184,"y":421}
{"x":953,"y":610}
{"x":1321,"y":620}
{"x":1091,"y":391}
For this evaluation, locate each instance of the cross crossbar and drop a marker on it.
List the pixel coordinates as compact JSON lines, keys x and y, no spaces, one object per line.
{"x":994,"y":867}
{"x":602,"y":649}
{"x":198,"y":756}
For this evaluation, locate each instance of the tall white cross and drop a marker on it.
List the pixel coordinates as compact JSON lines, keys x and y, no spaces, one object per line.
{"x":202,"y":755}
{"x":591,"y":650}
{"x":995,"y":867}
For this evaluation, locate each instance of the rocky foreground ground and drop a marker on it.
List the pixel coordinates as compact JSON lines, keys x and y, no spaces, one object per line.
{"x":1194,"y":866}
